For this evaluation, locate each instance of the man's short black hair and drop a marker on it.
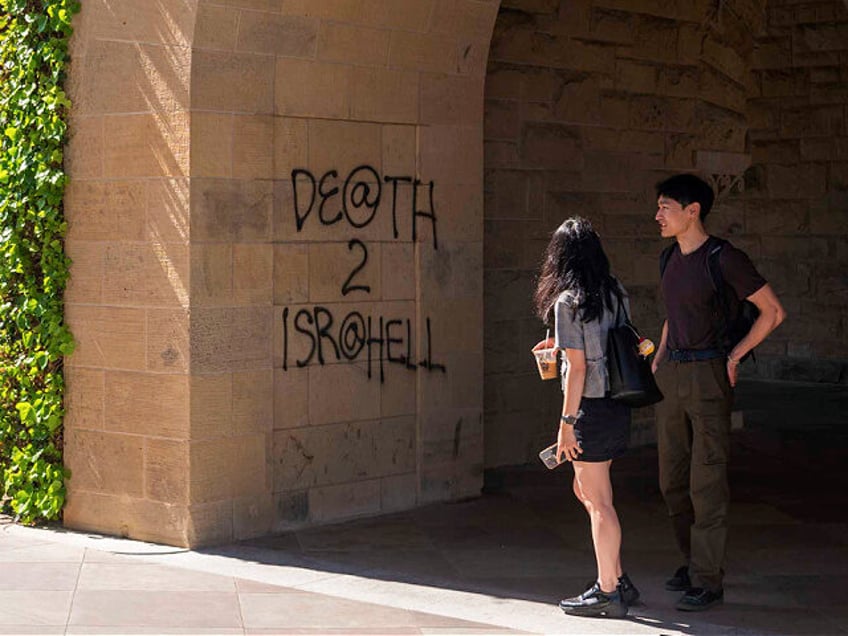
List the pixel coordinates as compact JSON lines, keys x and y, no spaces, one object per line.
{"x":686,"y":189}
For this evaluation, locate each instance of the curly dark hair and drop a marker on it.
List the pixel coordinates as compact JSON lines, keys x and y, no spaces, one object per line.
{"x":575,"y":261}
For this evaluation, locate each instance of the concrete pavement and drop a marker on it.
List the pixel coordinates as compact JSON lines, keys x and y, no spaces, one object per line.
{"x":496,"y":564}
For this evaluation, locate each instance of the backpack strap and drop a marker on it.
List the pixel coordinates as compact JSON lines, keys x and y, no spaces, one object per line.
{"x":664,"y":256}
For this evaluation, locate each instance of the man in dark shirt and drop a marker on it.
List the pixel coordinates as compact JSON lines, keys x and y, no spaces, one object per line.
{"x":696,"y":372}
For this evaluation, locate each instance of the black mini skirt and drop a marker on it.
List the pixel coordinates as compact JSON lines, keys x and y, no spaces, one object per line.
{"x":604,"y":430}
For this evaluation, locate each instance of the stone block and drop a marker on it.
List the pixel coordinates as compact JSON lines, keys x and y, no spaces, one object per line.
{"x":127,"y":77}
{"x":451,"y":100}
{"x":658,"y":113}
{"x":291,"y":398}
{"x":461,"y":332}
{"x":384,"y":95}
{"x":146,"y":146}
{"x":395,"y":440}
{"x":107,"y":337}
{"x":253,"y":273}
{"x":454,"y":272}
{"x":211,"y":144}
{"x":459,"y":209}
{"x":211,"y":403}
{"x":343,"y":393}
{"x":511,"y":195}
{"x":167,"y":340}
{"x":504,"y":82}
{"x":253,"y":516}
{"x":791,"y":151}
{"x":350,"y":44}
{"x":579,"y":102}
{"x":800,"y":181}
{"x":430,"y":52}
{"x":147,"y":404}
{"x":280,"y":35}
{"x":768,"y":218}
{"x":451,"y":155}
{"x":105,"y":462}
{"x":146,"y":274}
{"x":166,"y":470}
{"x":812,"y":121}
{"x":344,"y":501}
{"x":343,"y":146}
{"x":253,"y":147}
{"x":290,"y":146}
{"x":654,"y":39}
{"x":510,"y":441}
{"x":167,"y":210}
{"x":216,"y":27}
{"x":87,"y":258}
{"x":214,"y":469}
{"x":251,"y":465}
{"x":774,"y":52}
{"x":231,"y":210}
{"x":399,"y":150}
{"x":398,"y":393}
{"x":398,"y":272}
{"x":291,"y":274}
{"x":507,"y":294}
{"x":502,"y":154}
{"x":398,"y":492}
{"x":312,"y":89}
{"x":209,"y":524}
{"x":84,"y":391}
{"x":232,"y":82}
{"x":639,"y":77}
{"x":253,"y":401}
{"x":231,"y":339}
{"x":142,"y":22}
{"x":552,"y":146}
{"x":122,"y":516}
{"x":211,"y":274}
{"x":611,"y":26}
{"x":502,"y":119}
{"x":84,"y":151}
{"x":103,"y":211}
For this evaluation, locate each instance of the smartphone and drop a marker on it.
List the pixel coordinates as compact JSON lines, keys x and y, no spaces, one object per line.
{"x":549,"y":457}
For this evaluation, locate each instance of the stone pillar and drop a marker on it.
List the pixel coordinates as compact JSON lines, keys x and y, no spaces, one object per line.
{"x":275,"y":218}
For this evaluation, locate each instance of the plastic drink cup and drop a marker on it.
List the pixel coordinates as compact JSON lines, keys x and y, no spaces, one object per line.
{"x":546,"y":361}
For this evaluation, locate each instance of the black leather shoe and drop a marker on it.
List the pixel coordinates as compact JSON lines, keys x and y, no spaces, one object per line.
{"x":699,"y":598}
{"x":596,"y":603}
{"x":680,"y":582}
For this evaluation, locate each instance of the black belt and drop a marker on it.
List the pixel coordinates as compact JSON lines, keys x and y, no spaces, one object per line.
{"x":693,"y":355}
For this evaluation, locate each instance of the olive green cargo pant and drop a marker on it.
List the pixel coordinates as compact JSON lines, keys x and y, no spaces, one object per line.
{"x":693,"y":437}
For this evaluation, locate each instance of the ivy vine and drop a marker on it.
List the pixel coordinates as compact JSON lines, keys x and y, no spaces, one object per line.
{"x":34,"y":339}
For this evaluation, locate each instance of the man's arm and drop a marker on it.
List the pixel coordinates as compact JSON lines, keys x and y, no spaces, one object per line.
{"x":659,"y":356}
{"x":771,"y":315}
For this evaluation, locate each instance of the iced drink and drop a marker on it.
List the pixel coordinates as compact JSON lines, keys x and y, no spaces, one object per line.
{"x":546,"y":360}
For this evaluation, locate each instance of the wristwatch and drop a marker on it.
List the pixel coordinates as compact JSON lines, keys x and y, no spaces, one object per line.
{"x":571,"y":419}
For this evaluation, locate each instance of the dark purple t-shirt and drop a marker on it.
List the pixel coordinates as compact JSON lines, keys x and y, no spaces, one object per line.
{"x":694,"y":317}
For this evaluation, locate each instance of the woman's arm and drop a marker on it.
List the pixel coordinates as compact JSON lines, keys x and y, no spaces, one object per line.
{"x":575,"y":379}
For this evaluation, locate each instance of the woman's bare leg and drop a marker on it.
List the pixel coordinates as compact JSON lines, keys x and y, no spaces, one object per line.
{"x":592,"y":481}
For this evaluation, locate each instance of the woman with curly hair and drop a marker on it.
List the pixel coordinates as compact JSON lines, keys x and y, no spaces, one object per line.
{"x":579,"y":297}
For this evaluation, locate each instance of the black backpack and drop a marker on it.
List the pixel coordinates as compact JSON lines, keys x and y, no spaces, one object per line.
{"x":737,"y":315}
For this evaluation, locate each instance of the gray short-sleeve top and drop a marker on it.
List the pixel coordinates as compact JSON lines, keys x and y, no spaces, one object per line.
{"x":591,"y":337}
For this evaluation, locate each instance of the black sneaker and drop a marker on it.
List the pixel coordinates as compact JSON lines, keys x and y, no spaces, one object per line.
{"x":680,"y":582}
{"x":699,"y":598}
{"x":628,"y":591}
{"x":596,"y":603}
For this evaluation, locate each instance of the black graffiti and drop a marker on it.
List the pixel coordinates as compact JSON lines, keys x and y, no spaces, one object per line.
{"x":347,"y":287}
{"x":382,"y":339}
{"x":361,"y":194}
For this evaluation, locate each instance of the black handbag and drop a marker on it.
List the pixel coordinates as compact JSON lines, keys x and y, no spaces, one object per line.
{"x":630,"y":377}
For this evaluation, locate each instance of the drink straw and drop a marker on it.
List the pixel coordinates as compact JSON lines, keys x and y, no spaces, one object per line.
{"x":547,"y":335}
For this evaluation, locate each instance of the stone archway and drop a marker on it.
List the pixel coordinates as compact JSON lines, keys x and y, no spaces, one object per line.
{"x":248,"y":361}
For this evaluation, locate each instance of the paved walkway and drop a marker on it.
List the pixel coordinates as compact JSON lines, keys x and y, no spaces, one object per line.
{"x":493,"y":565}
